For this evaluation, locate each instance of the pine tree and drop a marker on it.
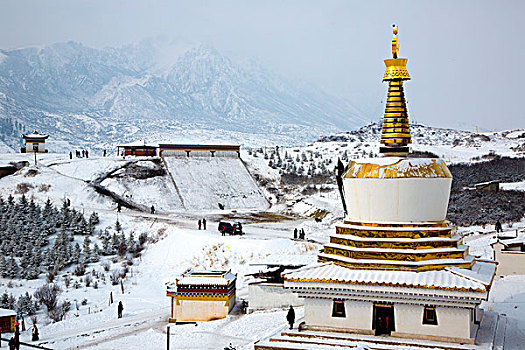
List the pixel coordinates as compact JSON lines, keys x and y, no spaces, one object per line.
{"x":75,"y":256}
{"x":115,"y":241}
{"x":12,"y":267}
{"x":3,"y":266}
{"x":95,"y":256}
{"x":86,"y":250}
{"x":131,"y":242}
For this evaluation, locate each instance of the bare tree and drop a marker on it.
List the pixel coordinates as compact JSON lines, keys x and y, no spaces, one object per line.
{"x":47,"y":295}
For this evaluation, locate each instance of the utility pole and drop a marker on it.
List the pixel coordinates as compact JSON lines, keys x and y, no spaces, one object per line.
{"x":168,"y":338}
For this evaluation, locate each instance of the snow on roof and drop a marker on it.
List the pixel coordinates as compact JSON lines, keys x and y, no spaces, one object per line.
{"x":7,"y":312}
{"x":440,"y":279}
{"x":36,"y":135}
{"x":512,"y":241}
{"x":287,"y":260}
{"x":138,"y":143}
{"x":482,"y":271}
{"x":221,"y":278}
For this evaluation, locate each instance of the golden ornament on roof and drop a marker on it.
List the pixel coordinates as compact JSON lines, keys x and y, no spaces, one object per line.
{"x":395,"y":136}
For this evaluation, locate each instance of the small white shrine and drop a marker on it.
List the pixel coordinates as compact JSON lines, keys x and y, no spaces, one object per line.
{"x":35,"y":143}
{"x":201,"y":296}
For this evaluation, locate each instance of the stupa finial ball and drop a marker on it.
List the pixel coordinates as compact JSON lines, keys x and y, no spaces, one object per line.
{"x":394,"y":30}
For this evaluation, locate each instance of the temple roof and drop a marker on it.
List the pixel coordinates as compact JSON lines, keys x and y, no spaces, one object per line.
{"x":35,"y":135}
{"x":477,"y":279}
{"x":216,"y":278}
{"x":139,"y":143}
{"x":7,"y":312}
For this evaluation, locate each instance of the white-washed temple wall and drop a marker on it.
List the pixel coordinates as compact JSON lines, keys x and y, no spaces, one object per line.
{"x":451,"y":322}
{"x":509,"y":262}
{"x":271,"y":295}
{"x":203,"y":310}
{"x":318,"y":312}
{"x":397,"y":200}
{"x":40,"y":147}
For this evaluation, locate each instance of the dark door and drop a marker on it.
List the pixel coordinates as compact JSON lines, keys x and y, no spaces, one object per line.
{"x":383,"y":319}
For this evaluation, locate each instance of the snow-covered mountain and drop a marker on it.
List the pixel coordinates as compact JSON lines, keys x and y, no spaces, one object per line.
{"x":157,"y":90}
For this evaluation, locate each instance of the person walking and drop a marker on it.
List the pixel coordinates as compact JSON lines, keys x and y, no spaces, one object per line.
{"x":34,"y":333}
{"x":199,"y":223}
{"x":120,"y":308}
{"x":498,"y":227}
{"x":295,"y":233}
{"x":17,"y":336}
{"x":290,"y":317}
{"x":70,"y":155}
{"x":119,"y":207}
{"x":152,"y":209}
{"x":204,"y":223}
{"x":12,"y":343}
{"x":87,"y":154}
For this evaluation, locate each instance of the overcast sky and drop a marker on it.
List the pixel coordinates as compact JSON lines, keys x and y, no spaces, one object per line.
{"x":466,"y":58}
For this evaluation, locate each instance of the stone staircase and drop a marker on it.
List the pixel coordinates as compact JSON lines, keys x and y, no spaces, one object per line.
{"x":318,"y":340}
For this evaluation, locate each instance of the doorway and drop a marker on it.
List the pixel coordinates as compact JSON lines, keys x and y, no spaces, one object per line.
{"x":383,"y":319}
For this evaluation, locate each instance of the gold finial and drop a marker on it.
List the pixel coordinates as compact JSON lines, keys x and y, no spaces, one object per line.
{"x":395,"y":42}
{"x":395,"y":136}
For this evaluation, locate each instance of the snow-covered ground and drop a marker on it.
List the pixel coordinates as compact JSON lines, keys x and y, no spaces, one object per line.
{"x":203,"y":182}
{"x":178,"y":244}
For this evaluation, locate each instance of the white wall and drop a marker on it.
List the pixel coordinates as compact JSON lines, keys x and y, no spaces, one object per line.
{"x":510,"y":262}
{"x":41,"y":147}
{"x":199,"y":310}
{"x":397,"y":200}
{"x":271,"y":295}
{"x":318,"y":312}
{"x":452,"y":322}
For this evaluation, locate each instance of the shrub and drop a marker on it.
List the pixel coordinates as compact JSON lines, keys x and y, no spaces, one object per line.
{"x":114,"y":277}
{"x":47,"y":295}
{"x":80,"y":270}
{"x":23,"y":188}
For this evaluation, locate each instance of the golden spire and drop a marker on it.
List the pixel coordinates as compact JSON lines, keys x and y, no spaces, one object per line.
{"x":395,"y":136}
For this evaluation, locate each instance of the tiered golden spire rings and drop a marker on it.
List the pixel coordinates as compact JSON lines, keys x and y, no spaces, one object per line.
{"x":395,"y":136}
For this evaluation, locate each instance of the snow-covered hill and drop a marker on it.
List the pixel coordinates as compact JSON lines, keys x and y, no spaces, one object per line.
{"x":175,"y":243}
{"x":157,"y":90}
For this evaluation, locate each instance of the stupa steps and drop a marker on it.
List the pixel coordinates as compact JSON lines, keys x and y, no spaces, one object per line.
{"x":396,"y":243}
{"x":393,"y":232}
{"x":383,"y":264}
{"x":443,"y":224}
{"x":321,"y":340}
{"x":396,"y":254}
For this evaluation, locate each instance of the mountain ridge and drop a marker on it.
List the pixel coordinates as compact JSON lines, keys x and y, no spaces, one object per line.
{"x":96,"y":97}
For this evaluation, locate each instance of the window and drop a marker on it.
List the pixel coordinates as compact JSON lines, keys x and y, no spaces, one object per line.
{"x":338,"y":310}
{"x":429,"y":315}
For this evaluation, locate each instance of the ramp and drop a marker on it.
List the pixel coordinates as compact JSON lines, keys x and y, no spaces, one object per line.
{"x":204,"y":182}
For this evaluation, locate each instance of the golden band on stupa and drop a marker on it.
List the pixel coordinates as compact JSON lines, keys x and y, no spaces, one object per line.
{"x":395,"y":136}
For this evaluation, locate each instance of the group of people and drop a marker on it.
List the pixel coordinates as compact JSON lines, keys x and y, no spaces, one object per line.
{"x":83,"y":154}
{"x":298,"y":233}
{"x":202,"y":224}
{"x":14,"y":342}
{"x":79,"y":154}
